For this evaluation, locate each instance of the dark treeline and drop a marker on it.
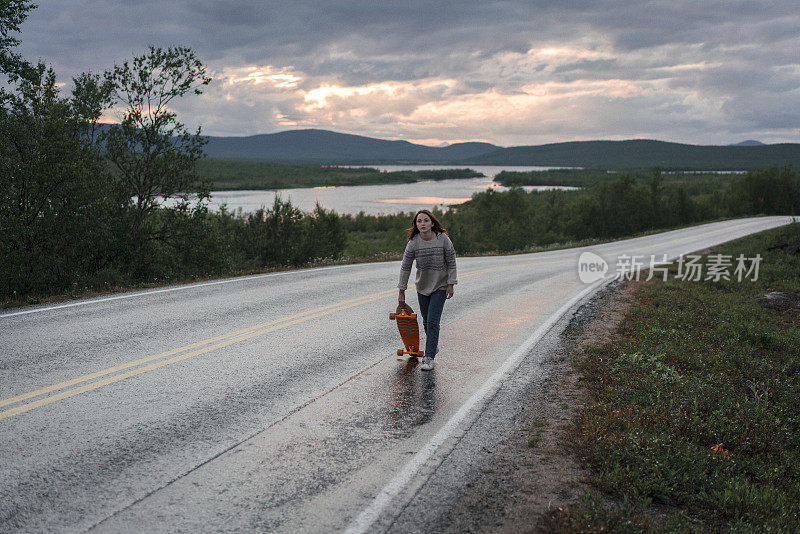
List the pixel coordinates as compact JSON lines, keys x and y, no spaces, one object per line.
{"x":516,"y":220}
{"x":444,"y":174}
{"x":563,"y":177}
{"x":697,"y":182}
{"x":238,"y":174}
{"x":624,"y":205}
{"x":91,"y":247}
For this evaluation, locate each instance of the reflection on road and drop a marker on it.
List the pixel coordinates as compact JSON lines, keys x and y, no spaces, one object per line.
{"x":412,"y":400}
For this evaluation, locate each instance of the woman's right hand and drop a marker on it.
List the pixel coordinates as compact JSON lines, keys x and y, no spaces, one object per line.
{"x":401,"y":296}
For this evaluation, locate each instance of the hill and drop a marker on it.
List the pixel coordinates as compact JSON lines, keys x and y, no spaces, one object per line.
{"x":322,"y":146}
{"x":642,"y":153}
{"x":749,"y":142}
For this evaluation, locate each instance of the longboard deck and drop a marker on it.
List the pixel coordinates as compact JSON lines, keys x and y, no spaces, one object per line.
{"x":409,"y":331}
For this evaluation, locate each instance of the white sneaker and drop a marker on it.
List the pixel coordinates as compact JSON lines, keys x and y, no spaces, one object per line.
{"x":427,"y":364}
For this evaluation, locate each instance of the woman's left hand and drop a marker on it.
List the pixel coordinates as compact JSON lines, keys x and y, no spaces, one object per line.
{"x":450,"y":291}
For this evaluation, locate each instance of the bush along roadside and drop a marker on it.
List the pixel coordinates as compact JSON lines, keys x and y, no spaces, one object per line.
{"x":694,"y":417}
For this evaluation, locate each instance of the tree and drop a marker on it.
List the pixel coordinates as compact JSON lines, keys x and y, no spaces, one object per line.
{"x":91,"y":96}
{"x":64,"y":218}
{"x":12,"y":14}
{"x":325,"y":237}
{"x":275,"y":236}
{"x":54,"y":188}
{"x":656,"y":200}
{"x":53,"y":185}
{"x":765,"y":191}
{"x":154,"y":153}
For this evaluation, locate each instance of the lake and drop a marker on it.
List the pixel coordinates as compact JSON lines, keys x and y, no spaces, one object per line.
{"x":377,"y":199}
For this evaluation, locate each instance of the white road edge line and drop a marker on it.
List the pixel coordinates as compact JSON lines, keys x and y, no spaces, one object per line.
{"x":371,"y":513}
{"x":176,"y":288}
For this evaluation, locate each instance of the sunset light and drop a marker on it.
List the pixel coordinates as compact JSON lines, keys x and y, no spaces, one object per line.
{"x":260,"y":75}
{"x":509,"y":72}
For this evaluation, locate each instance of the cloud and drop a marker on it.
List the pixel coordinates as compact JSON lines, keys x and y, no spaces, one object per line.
{"x":510,"y":72}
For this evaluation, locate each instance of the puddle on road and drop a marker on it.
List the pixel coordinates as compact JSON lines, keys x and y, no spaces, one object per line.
{"x":413,"y":399}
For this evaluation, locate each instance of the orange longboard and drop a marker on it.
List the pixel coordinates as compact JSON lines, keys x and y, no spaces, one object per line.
{"x":409,"y":330}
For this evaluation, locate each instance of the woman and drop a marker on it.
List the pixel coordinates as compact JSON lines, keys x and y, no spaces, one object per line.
{"x":428,"y":243}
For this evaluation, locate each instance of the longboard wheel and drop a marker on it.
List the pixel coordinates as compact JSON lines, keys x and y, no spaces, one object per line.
{"x":399,"y":352}
{"x":392,"y":316}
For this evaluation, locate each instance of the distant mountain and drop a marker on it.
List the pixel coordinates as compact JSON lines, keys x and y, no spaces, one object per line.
{"x":322,"y":146}
{"x":641,"y":153}
{"x":749,"y":142}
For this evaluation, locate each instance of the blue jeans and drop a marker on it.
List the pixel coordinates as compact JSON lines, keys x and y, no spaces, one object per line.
{"x":431,"y":306}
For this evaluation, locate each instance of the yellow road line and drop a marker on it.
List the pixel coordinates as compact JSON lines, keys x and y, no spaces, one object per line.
{"x":185,"y":356}
{"x":134,"y":363}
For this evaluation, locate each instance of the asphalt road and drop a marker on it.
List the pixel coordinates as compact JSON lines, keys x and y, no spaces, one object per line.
{"x":271,"y":402}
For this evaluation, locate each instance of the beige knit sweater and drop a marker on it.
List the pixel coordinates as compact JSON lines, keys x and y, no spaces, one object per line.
{"x":436,"y":263}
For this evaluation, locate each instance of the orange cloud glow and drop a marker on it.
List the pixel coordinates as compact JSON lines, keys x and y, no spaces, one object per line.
{"x":567,"y":53}
{"x":319,"y":98}
{"x":278,"y":78}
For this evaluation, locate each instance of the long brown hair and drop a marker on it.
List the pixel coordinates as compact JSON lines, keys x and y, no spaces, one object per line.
{"x":437,"y":226}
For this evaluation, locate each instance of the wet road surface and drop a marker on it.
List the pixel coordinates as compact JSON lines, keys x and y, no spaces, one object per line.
{"x":272,"y":402}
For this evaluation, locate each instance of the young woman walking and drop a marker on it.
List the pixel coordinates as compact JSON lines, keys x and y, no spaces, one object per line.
{"x":428,"y":243}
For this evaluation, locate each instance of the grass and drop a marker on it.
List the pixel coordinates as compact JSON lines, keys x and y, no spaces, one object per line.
{"x":694,"y":365}
{"x":536,"y":429}
{"x":534,"y":441}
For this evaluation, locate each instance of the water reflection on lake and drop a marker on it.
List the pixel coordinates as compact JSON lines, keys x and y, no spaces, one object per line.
{"x":375,"y":199}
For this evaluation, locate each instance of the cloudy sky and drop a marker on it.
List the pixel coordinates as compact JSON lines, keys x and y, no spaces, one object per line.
{"x":507,"y":72}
